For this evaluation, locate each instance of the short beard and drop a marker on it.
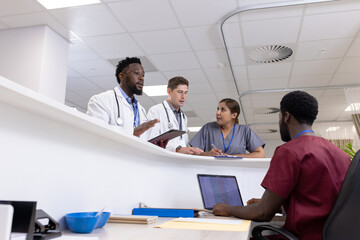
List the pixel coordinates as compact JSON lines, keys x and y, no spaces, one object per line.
{"x":284,"y":131}
{"x":135,"y":90}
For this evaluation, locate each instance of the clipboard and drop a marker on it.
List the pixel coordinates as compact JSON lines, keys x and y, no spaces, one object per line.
{"x":172,"y":133}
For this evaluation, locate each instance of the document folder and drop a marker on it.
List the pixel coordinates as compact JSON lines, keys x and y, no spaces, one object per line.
{"x":165,"y":212}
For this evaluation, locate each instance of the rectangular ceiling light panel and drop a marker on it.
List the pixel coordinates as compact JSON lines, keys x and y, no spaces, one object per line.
{"x":53,"y":4}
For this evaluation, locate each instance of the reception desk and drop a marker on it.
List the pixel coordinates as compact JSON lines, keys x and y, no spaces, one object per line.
{"x":70,"y":162}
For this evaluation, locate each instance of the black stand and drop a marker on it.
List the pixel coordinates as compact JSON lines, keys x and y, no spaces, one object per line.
{"x":48,"y":230}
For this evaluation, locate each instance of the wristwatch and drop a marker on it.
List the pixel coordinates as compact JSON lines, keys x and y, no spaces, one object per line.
{"x":178,"y":148}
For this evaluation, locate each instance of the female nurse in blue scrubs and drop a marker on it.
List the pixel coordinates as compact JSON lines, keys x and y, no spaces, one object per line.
{"x":226,"y":136}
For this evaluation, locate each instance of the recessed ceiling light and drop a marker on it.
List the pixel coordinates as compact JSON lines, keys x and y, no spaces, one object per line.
{"x":158,"y":90}
{"x":332,"y":129}
{"x":353,"y":107}
{"x":53,"y":4}
{"x":194,"y":129}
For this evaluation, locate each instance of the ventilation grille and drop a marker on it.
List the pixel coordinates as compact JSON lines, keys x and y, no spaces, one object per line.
{"x":269,"y":54}
{"x":266,"y":110}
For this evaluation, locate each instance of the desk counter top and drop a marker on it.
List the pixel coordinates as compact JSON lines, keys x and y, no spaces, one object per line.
{"x":115,"y":231}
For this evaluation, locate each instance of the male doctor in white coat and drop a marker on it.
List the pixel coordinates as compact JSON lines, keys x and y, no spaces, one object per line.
{"x":171,"y":117}
{"x":119,"y":106}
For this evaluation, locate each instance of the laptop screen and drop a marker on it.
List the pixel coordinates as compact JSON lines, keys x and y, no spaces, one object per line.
{"x":219,"y":189}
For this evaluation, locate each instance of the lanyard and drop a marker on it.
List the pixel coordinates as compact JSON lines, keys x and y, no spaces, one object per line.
{"x":227,"y":148}
{"x":305,"y":131}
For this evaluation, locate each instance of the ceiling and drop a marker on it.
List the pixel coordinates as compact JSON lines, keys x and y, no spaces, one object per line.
{"x":183,"y":38}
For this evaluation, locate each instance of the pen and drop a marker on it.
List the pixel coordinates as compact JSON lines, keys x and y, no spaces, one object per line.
{"x":212,"y":145}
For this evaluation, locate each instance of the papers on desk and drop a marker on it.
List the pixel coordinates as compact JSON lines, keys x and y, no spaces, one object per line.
{"x":114,"y":218}
{"x":208,"y":224}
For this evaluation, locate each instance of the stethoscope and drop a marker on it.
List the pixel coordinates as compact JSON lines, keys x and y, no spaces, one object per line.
{"x":170,"y":125}
{"x":120,"y":121}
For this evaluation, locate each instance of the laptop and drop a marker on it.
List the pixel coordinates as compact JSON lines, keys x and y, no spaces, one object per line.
{"x":219,"y":189}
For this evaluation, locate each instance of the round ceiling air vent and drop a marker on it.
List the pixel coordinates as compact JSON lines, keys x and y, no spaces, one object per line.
{"x":266,"y":110}
{"x":270,"y":54}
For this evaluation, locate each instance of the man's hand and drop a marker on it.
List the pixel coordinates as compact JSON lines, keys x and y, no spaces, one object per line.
{"x":253,"y":200}
{"x":144,"y":127}
{"x":222,"y":209}
{"x":190,"y":150}
{"x":161,"y":143}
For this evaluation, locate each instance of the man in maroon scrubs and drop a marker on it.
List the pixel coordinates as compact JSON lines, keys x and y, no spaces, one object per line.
{"x":305,"y":173}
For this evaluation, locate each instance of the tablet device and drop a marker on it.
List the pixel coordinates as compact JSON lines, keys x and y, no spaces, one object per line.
{"x":172,"y":133}
{"x":219,"y":189}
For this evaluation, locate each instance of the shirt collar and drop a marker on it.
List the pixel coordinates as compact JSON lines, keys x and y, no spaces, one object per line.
{"x":173,"y":109}
{"x":128,"y":99}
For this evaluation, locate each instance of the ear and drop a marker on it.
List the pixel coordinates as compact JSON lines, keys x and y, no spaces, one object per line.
{"x":286,"y":117}
{"x":168,"y":91}
{"x":234,"y":115}
{"x":121,"y":76}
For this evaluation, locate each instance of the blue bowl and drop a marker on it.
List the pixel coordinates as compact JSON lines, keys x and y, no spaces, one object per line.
{"x":103,"y":219}
{"x":82,"y":222}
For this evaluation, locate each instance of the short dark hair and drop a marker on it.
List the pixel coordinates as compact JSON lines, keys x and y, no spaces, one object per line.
{"x":234,"y":107}
{"x":123,"y":64}
{"x":176,"y":81}
{"x":301,"y":105}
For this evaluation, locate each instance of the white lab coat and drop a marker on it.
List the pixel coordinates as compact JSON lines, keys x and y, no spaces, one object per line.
{"x":158,"y":112}
{"x":104,"y":107}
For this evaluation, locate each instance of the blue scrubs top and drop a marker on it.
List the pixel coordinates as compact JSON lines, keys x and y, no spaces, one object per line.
{"x":244,"y":139}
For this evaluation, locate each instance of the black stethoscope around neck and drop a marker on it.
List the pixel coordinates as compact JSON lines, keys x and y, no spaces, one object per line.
{"x":119,"y":121}
{"x":170,"y":125}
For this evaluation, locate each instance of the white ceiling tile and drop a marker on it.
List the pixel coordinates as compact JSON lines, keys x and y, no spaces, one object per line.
{"x":223,"y":86}
{"x":164,"y":41}
{"x":315,"y":67}
{"x":212,"y":58}
{"x":237,"y":56}
{"x":93,"y":68}
{"x":155,"y":78}
{"x":246,"y":3}
{"x":309,"y":81}
{"x":80,"y":84}
{"x":202,"y":12}
{"x":33,"y":19}
{"x":202,"y":98}
{"x":87,"y":94}
{"x":88,"y":20}
{"x":354,"y":50}
{"x":204,"y":37}
{"x":199,"y":87}
{"x":191,"y":75}
{"x":219,"y":74}
{"x":280,"y":12}
{"x":144,"y":15}
{"x":12,"y":7}
{"x":314,"y":50}
{"x":345,"y":78}
{"x":268,"y":83}
{"x":2,"y":25}
{"x":232,"y":35}
{"x":114,"y":46}
{"x":175,"y":61}
{"x":72,"y":74}
{"x":271,"y":31}
{"x":333,"y":25}
{"x":240,"y":72}
{"x":79,"y":51}
{"x":350,"y":65}
{"x":271,"y":70}
{"x":105,"y":82}
{"x":72,"y":96}
{"x":336,"y":6}
{"x":339,"y":92}
{"x":231,"y":94}
{"x":243,"y":85}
